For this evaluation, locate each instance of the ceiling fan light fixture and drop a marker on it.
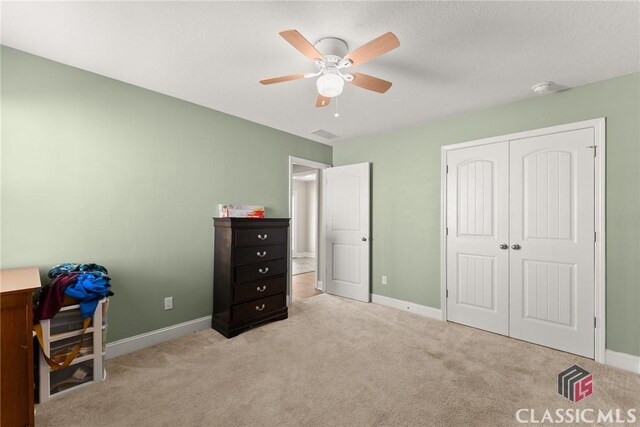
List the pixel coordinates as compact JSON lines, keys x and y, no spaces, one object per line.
{"x":330,"y":84}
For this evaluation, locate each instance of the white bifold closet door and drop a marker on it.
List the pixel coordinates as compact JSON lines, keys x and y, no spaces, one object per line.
{"x":520,"y":243}
{"x":552,"y":223}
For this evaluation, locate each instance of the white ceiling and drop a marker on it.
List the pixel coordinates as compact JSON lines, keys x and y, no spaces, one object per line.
{"x":305,"y":178}
{"x":454,"y":56}
{"x":296,"y":169}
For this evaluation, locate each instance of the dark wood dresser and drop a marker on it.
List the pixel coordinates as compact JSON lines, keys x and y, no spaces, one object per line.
{"x":250,"y":273}
{"x":16,"y":346}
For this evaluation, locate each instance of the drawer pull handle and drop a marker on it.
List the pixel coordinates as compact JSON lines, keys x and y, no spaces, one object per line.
{"x":264,"y":288}
{"x":261,"y":271}
{"x":261,"y":237}
{"x":260,"y":308}
{"x":261,"y":254}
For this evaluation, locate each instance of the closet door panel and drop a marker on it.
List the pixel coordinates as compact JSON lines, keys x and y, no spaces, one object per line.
{"x":552,"y":226}
{"x":477,"y":222}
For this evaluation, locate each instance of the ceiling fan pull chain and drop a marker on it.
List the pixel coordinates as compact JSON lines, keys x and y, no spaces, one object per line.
{"x":336,"y":115}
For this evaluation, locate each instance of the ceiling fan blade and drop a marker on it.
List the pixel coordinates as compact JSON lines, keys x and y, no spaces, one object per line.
{"x":281,"y":79}
{"x":296,"y":40}
{"x":322,"y":101}
{"x":371,"y":83}
{"x":373,"y":49}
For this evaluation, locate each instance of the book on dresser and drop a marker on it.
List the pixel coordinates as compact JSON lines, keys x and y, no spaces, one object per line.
{"x":249,"y":273}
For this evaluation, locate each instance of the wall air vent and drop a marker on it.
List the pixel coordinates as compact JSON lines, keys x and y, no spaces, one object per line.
{"x":323,"y":134}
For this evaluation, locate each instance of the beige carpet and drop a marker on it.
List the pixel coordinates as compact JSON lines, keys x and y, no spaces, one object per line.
{"x":336,"y":362}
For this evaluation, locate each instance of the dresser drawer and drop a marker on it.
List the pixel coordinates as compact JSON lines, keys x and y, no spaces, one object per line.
{"x":262,"y":270}
{"x":260,"y":236}
{"x":259,"y":289}
{"x":259,"y":254}
{"x":249,"y":310}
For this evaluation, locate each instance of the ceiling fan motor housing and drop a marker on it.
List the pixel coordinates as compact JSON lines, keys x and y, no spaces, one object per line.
{"x":332,"y":48}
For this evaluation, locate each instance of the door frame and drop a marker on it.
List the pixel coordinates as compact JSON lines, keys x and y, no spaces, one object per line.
{"x":599,"y":128}
{"x":320,"y":262}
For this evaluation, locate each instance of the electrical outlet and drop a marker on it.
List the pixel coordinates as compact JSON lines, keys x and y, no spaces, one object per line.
{"x":168,"y":303}
{"x":384,"y":280}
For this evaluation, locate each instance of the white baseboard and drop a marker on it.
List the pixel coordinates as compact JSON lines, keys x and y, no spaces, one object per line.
{"x":137,"y":342}
{"x":623,"y":361}
{"x":305,"y":255}
{"x":422,"y":310}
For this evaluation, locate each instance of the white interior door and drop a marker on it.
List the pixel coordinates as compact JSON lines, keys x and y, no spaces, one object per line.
{"x":346,"y":218}
{"x":552,"y":236}
{"x":478,"y":224}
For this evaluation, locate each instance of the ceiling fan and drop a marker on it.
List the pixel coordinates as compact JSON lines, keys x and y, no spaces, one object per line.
{"x":331,"y":58}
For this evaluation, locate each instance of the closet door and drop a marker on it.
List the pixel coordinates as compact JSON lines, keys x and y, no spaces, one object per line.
{"x":478,"y":227}
{"x":552,"y":241}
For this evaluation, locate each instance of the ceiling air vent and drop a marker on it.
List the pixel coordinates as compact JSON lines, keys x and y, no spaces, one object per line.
{"x":323,"y":134}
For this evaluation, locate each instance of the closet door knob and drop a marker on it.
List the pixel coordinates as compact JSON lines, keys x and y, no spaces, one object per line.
{"x":261,"y":254}
{"x":260,"y":308}
{"x":504,"y":246}
{"x":259,"y":289}
{"x":515,"y":246}
{"x":261,"y":271}
{"x":261,"y":237}
{"x":364,"y":239}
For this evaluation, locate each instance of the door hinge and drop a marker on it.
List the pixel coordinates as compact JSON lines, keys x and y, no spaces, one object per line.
{"x":447,"y":231}
{"x":446,"y":293}
{"x":447,"y":168}
{"x":595,"y":322}
{"x":595,"y":236}
{"x":595,"y":149}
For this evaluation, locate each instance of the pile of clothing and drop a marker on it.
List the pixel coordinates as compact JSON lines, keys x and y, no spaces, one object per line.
{"x":87,"y":283}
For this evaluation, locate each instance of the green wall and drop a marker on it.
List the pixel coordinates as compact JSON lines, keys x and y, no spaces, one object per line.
{"x":96,"y":170}
{"x":406,"y":193}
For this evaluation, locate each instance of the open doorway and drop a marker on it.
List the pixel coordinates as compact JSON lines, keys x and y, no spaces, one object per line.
{"x":305,"y":212}
{"x":304,"y":232}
